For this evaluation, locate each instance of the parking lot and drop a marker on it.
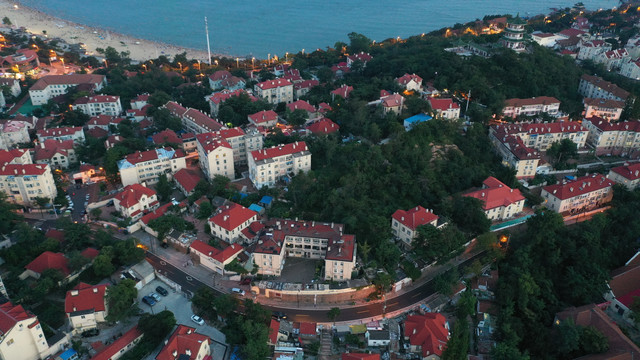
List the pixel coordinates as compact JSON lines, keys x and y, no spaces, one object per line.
{"x":181,"y":307}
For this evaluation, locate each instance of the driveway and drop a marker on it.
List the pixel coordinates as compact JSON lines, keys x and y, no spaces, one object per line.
{"x":181,"y":308}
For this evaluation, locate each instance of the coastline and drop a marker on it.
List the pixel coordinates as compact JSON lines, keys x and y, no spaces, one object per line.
{"x":35,"y":21}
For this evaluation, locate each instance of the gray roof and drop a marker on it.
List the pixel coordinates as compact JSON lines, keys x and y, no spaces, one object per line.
{"x":143,"y":268}
{"x":379,"y":335}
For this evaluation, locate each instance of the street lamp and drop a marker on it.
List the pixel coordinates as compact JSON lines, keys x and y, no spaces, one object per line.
{"x":106,"y":64}
{"x":179,"y":63}
{"x":144,"y":66}
{"x":63,"y":68}
{"x":237,"y":62}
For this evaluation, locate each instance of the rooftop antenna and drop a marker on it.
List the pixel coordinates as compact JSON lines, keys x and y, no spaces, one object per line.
{"x":206,"y":27}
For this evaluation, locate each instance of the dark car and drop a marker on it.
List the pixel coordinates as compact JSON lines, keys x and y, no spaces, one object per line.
{"x":162,"y":291}
{"x":148,"y":300}
{"x":279,"y":315}
{"x":90,"y":333}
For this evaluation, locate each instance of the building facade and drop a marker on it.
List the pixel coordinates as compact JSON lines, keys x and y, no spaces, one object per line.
{"x":21,"y":335}
{"x":627,"y":175}
{"x":229,"y":221}
{"x":598,"y":88}
{"x":610,"y":110}
{"x":267,"y":166}
{"x":499,"y":201}
{"x":216,"y":156}
{"x":584,"y":193}
{"x":99,"y":105}
{"x":620,"y":139}
{"x":540,"y":136}
{"x":51,"y":86}
{"x":22,"y":183}
{"x":86,"y":306}
{"x":62,"y":133}
{"x":135,"y":201}
{"x":147,"y":166}
{"x":531,"y":107}
{"x":404,"y":224}
{"x":275,"y":91}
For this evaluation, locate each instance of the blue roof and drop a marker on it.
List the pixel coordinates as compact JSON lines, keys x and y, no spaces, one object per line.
{"x":266,"y":199}
{"x":257,"y":208}
{"x":67,"y":354}
{"x":418,"y":118}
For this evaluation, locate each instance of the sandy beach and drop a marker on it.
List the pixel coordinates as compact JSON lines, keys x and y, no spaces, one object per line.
{"x":36,"y":21}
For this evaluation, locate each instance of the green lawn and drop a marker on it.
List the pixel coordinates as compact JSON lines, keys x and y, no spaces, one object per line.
{"x":27,"y":108}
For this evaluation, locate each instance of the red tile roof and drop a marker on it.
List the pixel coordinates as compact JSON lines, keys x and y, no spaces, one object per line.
{"x":211,"y":141}
{"x":414,"y":217}
{"x":85,"y":297}
{"x":90,"y":253}
{"x":224,"y":95}
{"x":343,"y":91}
{"x":220,"y":75}
{"x":604,"y":125}
{"x":120,"y":343}
{"x":73,"y":79}
{"x":272,"y":84}
{"x":629,"y":298}
{"x":97,"y":99}
{"x":548,"y":128}
{"x":187,"y":178}
{"x":175,"y":109}
{"x":141,"y":98}
{"x":364,"y":57}
{"x":155,"y":213}
{"x":230,"y":217}
{"x":50,"y":147}
{"x":606,"y":86}
{"x":103,"y":120}
{"x":496,"y":194}
{"x":324,"y":107}
{"x":23,"y":169}
{"x":263,"y":116}
{"x":183,"y":338}
{"x":308,"y":328}
{"x":580,"y":186}
{"x":202,"y":120}
{"x":49,"y":260}
{"x":166,"y":136}
{"x":301,"y":104}
{"x":360,"y":356}
{"x":571,"y":32}
{"x":323,"y":126}
{"x":443,"y":104}
{"x":274,"y":328}
{"x":306,"y":84}
{"x":540,"y":100}
{"x":10,"y":315}
{"x":604,"y":103}
{"x":230,"y":133}
{"x":427,"y":331}
{"x":406,"y":78}
{"x":55,"y":234}
{"x":280,"y":150}
{"x":132,"y":194}
{"x":7,"y":156}
{"x":392,"y":100}
{"x":631,"y":172}
{"x":61,"y":131}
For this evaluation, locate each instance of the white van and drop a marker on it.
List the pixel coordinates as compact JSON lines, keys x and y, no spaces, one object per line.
{"x":238,"y":291}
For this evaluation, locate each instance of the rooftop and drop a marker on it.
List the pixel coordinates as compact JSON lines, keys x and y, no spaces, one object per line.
{"x":496,"y":194}
{"x":580,"y":186}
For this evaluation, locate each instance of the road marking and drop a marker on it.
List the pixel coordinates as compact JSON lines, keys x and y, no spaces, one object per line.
{"x":363,"y":311}
{"x":163,"y":263}
{"x":189,"y":278}
{"x":302,"y":315}
{"x":418,"y":294}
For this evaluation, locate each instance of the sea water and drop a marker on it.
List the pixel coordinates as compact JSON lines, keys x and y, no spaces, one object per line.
{"x":260,"y":28}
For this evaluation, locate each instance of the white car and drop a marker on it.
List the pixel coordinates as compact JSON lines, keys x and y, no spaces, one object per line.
{"x":238,"y":291}
{"x":197,"y":319}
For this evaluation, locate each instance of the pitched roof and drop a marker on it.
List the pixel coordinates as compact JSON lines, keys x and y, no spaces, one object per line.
{"x":132,"y":194}
{"x":184,"y":339}
{"x":496,"y":194}
{"x":210,"y":141}
{"x":97,"y":99}
{"x":220,"y":75}
{"x":224,"y":95}
{"x":308,"y":328}
{"x":120,"y":343}
{"x":23,"y":169}
{"x":392,"y":100}
{"x":364,"y":57}
{"x":50,"y":147}
{"x":540,"y":100}
{"x":604,"y":103}
{"x":280,"y":150}
{"x":85,"y":297}
{"x":175,"y":109}
{"x":626,"y":279}
{"x":166,"y":136}
{"x":7,"y":156}
{"x":571,"y":32}
{"x":272,"y":84}
{"x":306,"y":84}
{"x":631,"y":172}
{"x":263,"y":116}
{"x":605,"y":125}
{"x":274,"y":327}
{"x":414,"y":217}
{"x":202,"y":120}
{"x":10,"y":315}
{"x":72,"y":79}
{"x":90,"y":253}
{"x":360,"y":356}
{"x":545,"y":128}
{"x":230,"y":133}
{"x":301,"y":104}
{"x":442,"y":104}
{"x":49,"y":260}
{"x":187,"y":178}
{"x":55,"y":234}
{"x":428,"y":331}
{"x":406,"y":78}
{"x":343,"y":91}
{"x":229,"y":217}
{"x":580,"y":186}
{"x":61,"y":131}
{"x":103,"y":120}
{"x":323,"y":126}
{"x":218,"y":255}
{"x":606,"y":86}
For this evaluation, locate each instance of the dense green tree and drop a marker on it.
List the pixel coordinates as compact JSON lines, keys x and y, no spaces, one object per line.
{"x":7,"y":214}
{"x":157,"y":327}
{"x":458,"y":345}
{"x":333,"y":313}
{"x":561,"y":152}
{"x":205,"y":211}
{"x":163,"y":188}
{"x":297,"y":117}
{"x":120,"y":299}
{"x":102,"y":266}
{"x":358,"y":43}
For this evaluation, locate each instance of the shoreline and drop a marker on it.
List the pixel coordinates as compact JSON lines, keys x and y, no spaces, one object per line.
{"x":35,"y":21}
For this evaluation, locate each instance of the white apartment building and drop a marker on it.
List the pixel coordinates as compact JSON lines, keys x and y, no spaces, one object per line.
{"x":99,"y":105}
{"x":620,"y":139}
{"x":230,"y":220}
{"x":627,"y":175}
{"x":515,"y":154}
{"x":135,"y":201}
{"x":267,"y":166}
{"x":103,"y":122}
{"x":266,"y":118}
{"x":411,"y":82}
{"x":51,"y":86}
{"x":212,"y":258}
{"x":541,"y":136}
{"x":595,"y":87}
{"x":531,"y":107}
{"x":62,"y":133}
{"x":584,"y":193}
{"x":630,"y":69}
{"x":12,"y":84}
{"x":499,"y":201}
{"x":242,"y":142}
{"x":589,"y":49}
{"x":193,"y":120}
{"x":22,"y":337}
{"x":86,"y":306}
{"x":275,"y":91}
{"x":24,"y":182}
{"x":269,"y":255}
{"x":613,"y":59}
{"x":147,"y":166}
{"x":13,"y":133}
{"x":610,"y":110}
{"x":57,"y":154}
{"x":404,"y":224}
{"x":216,"y":156}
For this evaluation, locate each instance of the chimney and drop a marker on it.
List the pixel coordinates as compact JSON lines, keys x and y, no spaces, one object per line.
{"x":175,"y":353}
{"x":187,"y":352}
{"x":74,"y":292}
{"x":95,"y":290}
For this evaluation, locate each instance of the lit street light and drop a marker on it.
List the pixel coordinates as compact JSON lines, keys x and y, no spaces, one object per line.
{"x":180,"y":66}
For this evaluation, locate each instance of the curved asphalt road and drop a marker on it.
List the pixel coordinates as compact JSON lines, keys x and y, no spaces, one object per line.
{"x":346,"y":314}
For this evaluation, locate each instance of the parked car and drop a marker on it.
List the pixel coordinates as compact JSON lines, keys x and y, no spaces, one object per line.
{"x":162,"y":291}
{"x":197,"y":319}
{"x":238,"y":291}
{"x":155,"y":297}
{"x":279,"y":315}
{"x":90,"y":333}
{"x":148,"y":300}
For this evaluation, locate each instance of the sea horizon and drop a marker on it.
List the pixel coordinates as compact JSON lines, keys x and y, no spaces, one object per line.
{"x":239,"y":30}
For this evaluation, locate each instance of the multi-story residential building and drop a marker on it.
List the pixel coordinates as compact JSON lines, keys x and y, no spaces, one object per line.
{"x":216,"y":100}
{"x":515,"y":154}
{"x":627,"y":175}
{"x":103,"y":122}
{"x":266,"y":118}
{"x":364,"y":58}
{"x":24,"y":182}
{"x":444,"y":108}
{"x":542,"y":136}
{"x":86,"y":306}
{"x":99,"y":105}
{"x":393,"y":103}
{"x":613,"y":59}
{"x":499,"y":201}
{"x":12,"y":84}
{"x":187,"y":180}
{"x":212,"y":258}
{"x":242,"y":142}
{"x":631,"y":69}
{"x":582,"y":194}
{"x":223,"y":79}
{"x":197,"y":122}
{"x":135,"y":201}
{"x":147,"y":166}
{"x":303,"y":87}
{"x":427,"y":335}
{"x":275,"y":91}
{"x":15,"y":156}
{"x":120,"y":346}
{"x":186,"y":344}
{"x":411,"y":82}
{"x":140,"y":101}
{"x":620,"y":139}
{"x":58,"y":154}
{"x":306,"y":239}
{"x":23,"y":61}
{"x":545,"y":39}
{"x":51,"y":86}
{"x":531,"y":107}
{"x":229,"y":221}
{"x":13,"y":133}
{"x":62,"y":133}
{"x":22,"y":335}
{"x":610,"y":110}
{"x":267,"y":166}
{"x":596,"y":87}
{"x":312,"y":113}
{"x":590,"y":49}
{"x":216,"y":156}
{"x":404,"y":224}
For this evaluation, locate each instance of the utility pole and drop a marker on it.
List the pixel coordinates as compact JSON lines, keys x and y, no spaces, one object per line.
{"x":206,"y":27}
